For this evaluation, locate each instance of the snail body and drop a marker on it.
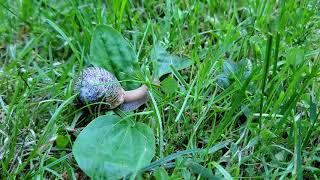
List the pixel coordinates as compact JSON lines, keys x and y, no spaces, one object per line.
{"x":99,"y":85}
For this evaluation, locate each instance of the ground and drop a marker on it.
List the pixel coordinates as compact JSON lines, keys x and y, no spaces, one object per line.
{"x":254,"y":83}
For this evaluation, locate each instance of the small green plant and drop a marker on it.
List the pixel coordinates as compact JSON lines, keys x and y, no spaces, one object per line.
{"x":112,"y":146}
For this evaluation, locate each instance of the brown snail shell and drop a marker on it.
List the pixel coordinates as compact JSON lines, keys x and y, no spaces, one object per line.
{"x":99,"y":85}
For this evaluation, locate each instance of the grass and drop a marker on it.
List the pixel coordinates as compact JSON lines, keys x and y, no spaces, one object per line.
{"x":270,"y":117}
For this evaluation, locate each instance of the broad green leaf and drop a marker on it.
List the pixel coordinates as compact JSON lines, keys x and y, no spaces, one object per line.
{"x":169,"y":85}
{"x":163,"y":60}
{"x":240,"y":70}
{"x":295,"y":56}
{"x":62,"y":141}
{"x":111,"y":147}
{"x":223,"y":80}
{"x":267,"y":134}
{"x":111,"y":51}
{"x":229,"y":67}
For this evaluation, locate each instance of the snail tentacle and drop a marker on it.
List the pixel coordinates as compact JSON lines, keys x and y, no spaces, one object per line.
{"x":136,"y":94}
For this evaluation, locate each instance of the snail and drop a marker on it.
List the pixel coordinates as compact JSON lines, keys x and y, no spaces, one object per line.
{"x":99,"y":85}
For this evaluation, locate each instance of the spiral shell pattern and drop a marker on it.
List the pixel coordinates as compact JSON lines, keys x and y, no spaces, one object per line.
{"x":98,"y":85}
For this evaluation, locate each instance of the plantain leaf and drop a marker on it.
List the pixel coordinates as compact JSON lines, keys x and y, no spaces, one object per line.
{"x":62,"y":141}
{"x":163,"y":60}
{"x":111,"y":51}
{"x":295,"y":57}
{"x":111,"y":147}
{"x":169,"y":85}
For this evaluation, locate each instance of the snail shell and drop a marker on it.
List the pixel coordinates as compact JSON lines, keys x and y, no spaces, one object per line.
{"x":98,"y":85}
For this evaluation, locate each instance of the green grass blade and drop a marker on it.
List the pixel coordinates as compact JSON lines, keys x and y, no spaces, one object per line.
{"x":265,"y":76}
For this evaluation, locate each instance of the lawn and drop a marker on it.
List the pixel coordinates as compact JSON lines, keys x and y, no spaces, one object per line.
{"x":233,"y":89}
